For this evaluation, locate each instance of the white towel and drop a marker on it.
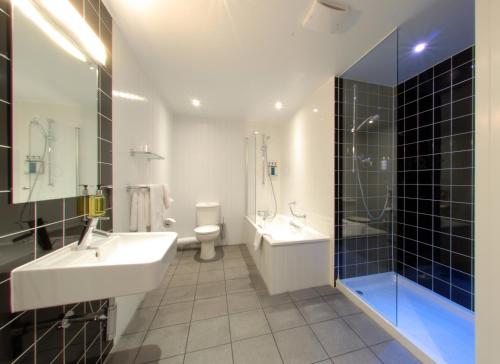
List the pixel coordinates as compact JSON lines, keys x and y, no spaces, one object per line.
{"x":134,"y":211}
{"x":142,"y":210}
{"x":167,"y":201}
{"x":257,"y":241}
{"x":156,"y":207}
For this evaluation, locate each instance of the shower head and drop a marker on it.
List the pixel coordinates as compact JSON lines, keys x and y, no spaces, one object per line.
{"x":370,"y":120}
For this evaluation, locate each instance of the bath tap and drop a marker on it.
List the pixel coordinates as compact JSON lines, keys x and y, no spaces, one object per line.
{"x":290,"y":206}
{"x":264,"y":214}
{"x":89,"y":229}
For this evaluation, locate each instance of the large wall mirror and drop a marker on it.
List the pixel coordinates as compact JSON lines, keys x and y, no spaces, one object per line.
{"x":54,"y":112}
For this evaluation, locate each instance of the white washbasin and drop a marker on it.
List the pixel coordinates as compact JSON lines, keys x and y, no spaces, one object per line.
{"x":119,"y":265}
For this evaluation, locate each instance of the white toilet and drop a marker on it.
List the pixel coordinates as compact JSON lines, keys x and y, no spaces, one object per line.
{"x":207,"y":227}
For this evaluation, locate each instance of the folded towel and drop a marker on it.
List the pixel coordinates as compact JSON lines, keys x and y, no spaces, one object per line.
{"x":167,"y":201}
{"x":134,"y":211}
{"x":257,"y":241}
{"x":156,"y":207}
{"x":142,"y":210}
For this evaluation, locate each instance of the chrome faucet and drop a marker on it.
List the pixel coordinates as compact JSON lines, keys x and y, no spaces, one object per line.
{"x":90,"y":228}
{"x":291,"y":206}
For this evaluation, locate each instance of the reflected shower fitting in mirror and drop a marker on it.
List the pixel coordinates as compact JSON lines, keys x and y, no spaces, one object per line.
{"x":54,"y":123}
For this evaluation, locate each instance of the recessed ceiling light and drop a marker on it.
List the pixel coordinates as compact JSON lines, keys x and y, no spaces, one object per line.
{"x":196,"y":102}
{"x":278,"y":105}
{"x":419,"y":47}
{"x":315,"y":110}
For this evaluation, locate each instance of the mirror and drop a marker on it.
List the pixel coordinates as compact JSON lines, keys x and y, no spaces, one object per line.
{"x":54,"y":113}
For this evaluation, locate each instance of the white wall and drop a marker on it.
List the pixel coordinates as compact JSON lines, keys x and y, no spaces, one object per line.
{"x":307,"y":170}
{"x":487,"y":175}
{"x":135,"y":123}
{"x":209,"y":163}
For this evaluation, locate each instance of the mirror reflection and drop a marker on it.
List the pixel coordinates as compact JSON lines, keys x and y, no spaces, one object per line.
{"x":54,"y":123}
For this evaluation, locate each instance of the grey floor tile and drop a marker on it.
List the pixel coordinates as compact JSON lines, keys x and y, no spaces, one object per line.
{"x":231,"y":248}
{"x":207,"y":290}
{"x":173,"y":314}
{"x":369,"y":331}
{"x":163,"y":343}
{"x":153,"y":298}
{"x":209,"y":307}
{"x":316,"y":310}
{"x":236,"y":254}
{"x":211,"y":276}
{"x":125,"y":351}
{"x":166,"y":280}
{"x":327,"y":290}
{"x":179,"y":359}
{"x":208,"y":333}
{"x":257,"y":350}
{"x":258,"y":282}
{"x":210,"y":266}
{"x":141,"y":320}
{"x":239,"y":285}
{"x":342,"y":305}
{"x":327,"y":361}
{"x":282,"y":317}
{"x":248,"y":324}
{"x":392,"y":352}
{"x":179,"y":294}
{"x":188,"y":279}
{"x":234,"y":263}
{"x":267,"y":300}
{"x":188,"y":268}
{"x":337,"y":337}
{"x":235,"y":273}
{"x":299,"y":346}
{"x":363,"y":356}
{"x":304,"y":294}
{"x":218,"y":355}
{"x":242,"y":301}
{"x":189,"y":252}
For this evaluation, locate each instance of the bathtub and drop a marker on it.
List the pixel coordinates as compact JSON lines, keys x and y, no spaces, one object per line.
{"x":290,"y":258}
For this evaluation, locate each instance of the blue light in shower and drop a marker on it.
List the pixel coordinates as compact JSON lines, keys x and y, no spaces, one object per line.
{"x":420,"y":47}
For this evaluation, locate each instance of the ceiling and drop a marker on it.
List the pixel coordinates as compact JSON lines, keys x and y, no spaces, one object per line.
{"x":447,"y":28}
{"x":240,"y":56}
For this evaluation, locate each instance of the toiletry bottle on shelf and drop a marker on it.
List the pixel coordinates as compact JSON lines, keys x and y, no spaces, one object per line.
{"x":384,"y":163}
{"x":97,"y":203}
{"x":82,"y":204}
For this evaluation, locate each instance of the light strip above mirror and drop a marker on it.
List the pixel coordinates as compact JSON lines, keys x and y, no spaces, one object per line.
{"x":67,"y":15}
{"x":28,"y":9}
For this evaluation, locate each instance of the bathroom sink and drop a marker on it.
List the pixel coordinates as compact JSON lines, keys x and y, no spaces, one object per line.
{"x":119,"y":265}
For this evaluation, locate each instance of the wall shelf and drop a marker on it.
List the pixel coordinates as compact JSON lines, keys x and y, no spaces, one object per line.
{"x":145,"y":155}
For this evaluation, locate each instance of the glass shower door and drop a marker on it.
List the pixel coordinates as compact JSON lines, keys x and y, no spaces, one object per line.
{"x":366,"y":134}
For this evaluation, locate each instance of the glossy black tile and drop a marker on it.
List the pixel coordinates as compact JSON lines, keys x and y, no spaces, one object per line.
{"x":463,"y":57}
{"x":5,"y":35}
{"x":4,"y":124}
{"x":4,"y":79}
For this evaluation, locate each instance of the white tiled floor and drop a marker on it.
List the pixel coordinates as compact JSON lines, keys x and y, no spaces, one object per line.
{"x":220,"y":312}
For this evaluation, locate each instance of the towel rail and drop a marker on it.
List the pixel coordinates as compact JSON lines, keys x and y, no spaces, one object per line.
{"x":137,"y":187}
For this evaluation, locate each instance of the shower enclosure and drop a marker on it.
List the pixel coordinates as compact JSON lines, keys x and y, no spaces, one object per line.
{"x":404,"y":186}
{"x":262,"y":178}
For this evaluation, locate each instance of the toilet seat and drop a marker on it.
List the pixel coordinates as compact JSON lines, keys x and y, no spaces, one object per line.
{"x":207,"y":229}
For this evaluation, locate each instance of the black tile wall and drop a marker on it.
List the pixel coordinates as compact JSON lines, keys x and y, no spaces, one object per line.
{"x":30,"y":230}
{"x":435,"y":205}
{"x":363,"y":248}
